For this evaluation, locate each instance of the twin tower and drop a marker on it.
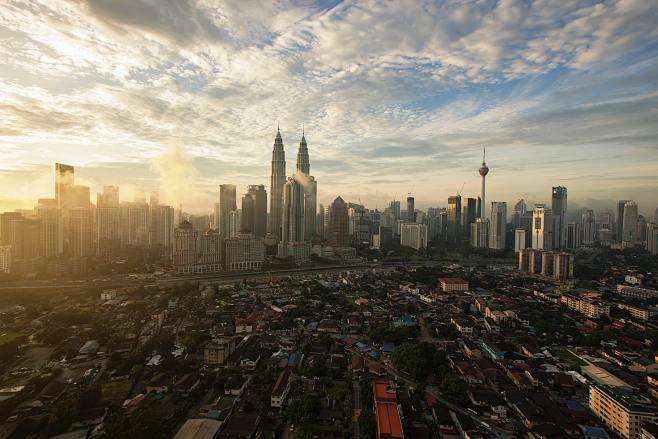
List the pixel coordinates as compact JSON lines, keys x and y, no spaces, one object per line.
{"x":293,"y":200}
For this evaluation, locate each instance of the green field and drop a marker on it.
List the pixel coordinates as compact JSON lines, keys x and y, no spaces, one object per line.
{"x":7,"y":336}
{"x":571,"y":360}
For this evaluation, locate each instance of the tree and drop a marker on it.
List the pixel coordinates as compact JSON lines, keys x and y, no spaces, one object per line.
{"x":418,"y":359}
{"x":454,"y":389}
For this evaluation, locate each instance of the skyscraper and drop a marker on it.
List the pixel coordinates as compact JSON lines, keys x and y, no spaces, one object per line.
{"x":303,"y":163}
{"x":395,"y":209}
{"x":630,"y":224}
{"x":254,"y":210}
{"x":559,"y":207}
{"x":161,"y":230}
{"x":227,"y":204}
{"x":454,"y":218}
{"x":480,"y":233}
{"x":542,"y":228}
{"x":469,"y":214}
{"x":64,"y":181}
{"x":411,"y":211}
{"x":338,"y":224}
{"x":51,"y":227}
{"x":303,"y":176}
{"x":619,"y":232}
{"x":484,"y":170}
{"x":278,"y":179}
{"x":588,"y":227}
{"x":292,"y":229}
{"x":108,"y":222}
{"x":498,"y":225}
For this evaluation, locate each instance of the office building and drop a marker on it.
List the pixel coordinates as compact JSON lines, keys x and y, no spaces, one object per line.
{"x":554,"y":264}
{"x":195,"y":252}
{"x":52,"y":228}
{"x":542,"y":228}
{"x":277,"y":181}
{"x":135,"y":228}
{"x":411,"y":210}
{"x":413,"y":235}
{"x":520,"y":209}
{"x":519,"y":240}
{"x":227,"y":204}
{"x":573,"y":235}
{"x":64,"y":181}
{"x":244,"y":252}
{"x":498,"y":225}
{"x":484,"y":170}
{"x":81,"y":232}
{"x":559,"y":208}
{"x":480,"y":233}
{"x":469,"y":214}
{"x":619,"y":229}
{"x":6,"y":260}
{"x":652,"y":238}
{"x":234,"y":224}
{"x":395,"y":209}
{"x":629,"y":230}
{"x":621,"y":411}
{"x":588,"y":227}
{"x":310,"y":208}
{"x":641,"y":234}
{"x":161,"y":228}
{"x":454,"y":218}
{"x":338,"y":224}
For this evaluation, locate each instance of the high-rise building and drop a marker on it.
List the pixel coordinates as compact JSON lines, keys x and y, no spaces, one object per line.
{"x":573,"y":235}
{"x":413,"y":235}
{"x":519,"y":240}
{"x":338,"y":224}
{"x":629,"y":232}
{"x":234,"y":223}
{"x":108,"y":222}
{"x":652,"y":238}
{"x":310,"y":207}
{"x":542,"y":228}
{"x":227,"y":204}
{"x":52,"y":238}
{"x":641,"y":233}
{"x":310,"y":187}
{"x":244,"y":252}
{"x":588,"y":227}
{"x":480,"y":233}
{"x":619,"y":232}
{"x":498,"y":225}
{"x":454,"y":218}
{"x":248,"y":214}
{"x":484,"y":170}
{"x":161,"y":231}
{"x":469,"y":214}
{"x":292,"y":229}
{"x":81,"y":236}
{"x":12,"y":232}
{"x":277,"y":181}
{"x":326,"y":221}
{"x":64,"y":181}
{"x":135,"y":226}
{"x":319,"y":223}
{"x":395,"y":209}
{"x":411,"y":210}
{"x":559,"y":208}
{"x":185,"y":248}
{"x":259,"y":195}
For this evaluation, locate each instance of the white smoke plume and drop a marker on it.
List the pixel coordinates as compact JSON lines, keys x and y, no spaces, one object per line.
{"x":176,"y":170}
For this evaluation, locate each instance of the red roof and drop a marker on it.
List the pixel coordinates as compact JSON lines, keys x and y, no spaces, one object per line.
{"x":388,"y":421}
{"x":452,"y":280}
{"x":383,"y":392}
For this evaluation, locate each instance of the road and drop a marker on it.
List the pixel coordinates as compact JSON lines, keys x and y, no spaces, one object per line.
{"x":435,"y":393}
{"x":356,"y":403}
{"x":119,"y":280}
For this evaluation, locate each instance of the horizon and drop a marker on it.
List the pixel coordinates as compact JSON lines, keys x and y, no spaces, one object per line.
{"x":559,"y":95}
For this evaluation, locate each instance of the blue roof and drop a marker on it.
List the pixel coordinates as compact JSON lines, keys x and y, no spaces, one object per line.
{"x":388,"y":347}
{"x":373,"y":354}
{"x":292,"y":359}
{"x":590,"y":431}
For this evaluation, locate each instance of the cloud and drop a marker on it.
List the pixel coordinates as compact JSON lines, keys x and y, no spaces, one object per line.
{"x":176,"y":173}
{"x":401,"y":95}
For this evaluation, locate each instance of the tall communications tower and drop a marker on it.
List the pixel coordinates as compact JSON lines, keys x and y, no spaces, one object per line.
{"x":484,"y":170}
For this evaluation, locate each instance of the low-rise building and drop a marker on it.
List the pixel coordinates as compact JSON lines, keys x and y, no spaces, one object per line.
{"x":620,"y":411}
{"x":217,"y":351}
{"x":281,"y":389}
{"x":449,"y":284}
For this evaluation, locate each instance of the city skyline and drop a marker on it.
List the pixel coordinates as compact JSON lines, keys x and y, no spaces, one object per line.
{"x":565,"y":96}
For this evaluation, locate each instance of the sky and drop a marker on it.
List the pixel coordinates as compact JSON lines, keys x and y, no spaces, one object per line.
{"x":395,"y":97}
